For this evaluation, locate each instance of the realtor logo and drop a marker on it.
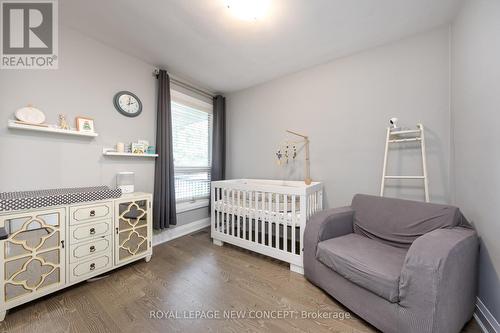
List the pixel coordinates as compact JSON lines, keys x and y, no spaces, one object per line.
{"x":29,"y":38}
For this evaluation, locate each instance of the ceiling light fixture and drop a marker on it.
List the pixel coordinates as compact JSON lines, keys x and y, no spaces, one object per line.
{"x":248,"y":10}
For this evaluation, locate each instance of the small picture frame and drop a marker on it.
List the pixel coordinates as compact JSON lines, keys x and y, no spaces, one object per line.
{"x":85,"y":125}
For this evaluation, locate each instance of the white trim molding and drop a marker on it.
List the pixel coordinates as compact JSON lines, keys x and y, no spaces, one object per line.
{"x":182,"y":230}
{"x":485,"y":319}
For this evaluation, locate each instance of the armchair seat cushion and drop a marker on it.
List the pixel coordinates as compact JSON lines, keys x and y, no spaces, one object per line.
{"x":366,"y":262}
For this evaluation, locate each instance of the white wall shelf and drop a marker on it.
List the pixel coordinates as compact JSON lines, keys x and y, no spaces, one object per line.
{"x":15,"y":125}
{"x":112,"y":152}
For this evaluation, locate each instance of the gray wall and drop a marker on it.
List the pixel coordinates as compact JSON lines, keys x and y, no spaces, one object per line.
{"x":344,"y":106}
{"x":476,"y":118}
{"x":89,"y":75}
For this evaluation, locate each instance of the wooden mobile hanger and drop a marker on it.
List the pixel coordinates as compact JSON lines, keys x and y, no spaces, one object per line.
{"x":307,"y":178}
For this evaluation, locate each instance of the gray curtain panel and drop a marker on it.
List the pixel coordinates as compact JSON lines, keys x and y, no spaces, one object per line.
{"x":218,"y":171}
{"x":164,"y":213}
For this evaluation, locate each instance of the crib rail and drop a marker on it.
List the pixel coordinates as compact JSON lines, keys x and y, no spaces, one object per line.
{"x":266,"y":219}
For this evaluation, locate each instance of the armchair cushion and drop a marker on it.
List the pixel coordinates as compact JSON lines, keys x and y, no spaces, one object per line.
{"x":368,"y":263}
{"x":400,"y":222}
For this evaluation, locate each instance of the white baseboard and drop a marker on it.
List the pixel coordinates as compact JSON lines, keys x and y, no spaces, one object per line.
{"x":182,"y":230}
{"x":485,"y":319}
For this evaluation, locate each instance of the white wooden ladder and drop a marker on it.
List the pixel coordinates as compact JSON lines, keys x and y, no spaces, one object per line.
{"x":401,"y":137}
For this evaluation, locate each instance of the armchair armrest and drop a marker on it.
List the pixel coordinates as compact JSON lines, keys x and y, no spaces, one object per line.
{"x":329,"y":224}
{"x":321,"y":226}
{"x":438,"y":280}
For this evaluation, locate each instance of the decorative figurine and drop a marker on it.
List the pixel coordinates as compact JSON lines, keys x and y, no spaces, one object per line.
{"x":63,"y":124}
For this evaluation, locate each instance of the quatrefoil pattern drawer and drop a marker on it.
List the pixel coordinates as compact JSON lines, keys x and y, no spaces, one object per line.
{"x":87,"y":231}
{"x":84,"y":250}
{"x":88,"y":213}
{"x":88,"y":268}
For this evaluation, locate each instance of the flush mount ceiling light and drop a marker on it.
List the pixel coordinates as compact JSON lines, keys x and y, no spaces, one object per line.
{"x":248,"y":10}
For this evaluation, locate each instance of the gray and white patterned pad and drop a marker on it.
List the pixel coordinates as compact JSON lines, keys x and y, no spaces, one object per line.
{"x":55,"y":197}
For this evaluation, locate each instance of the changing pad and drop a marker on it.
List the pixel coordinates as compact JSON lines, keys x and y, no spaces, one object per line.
{"x":10,"y":201}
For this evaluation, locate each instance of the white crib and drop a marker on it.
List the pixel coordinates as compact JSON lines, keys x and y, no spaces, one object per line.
{"x":265,"y":216}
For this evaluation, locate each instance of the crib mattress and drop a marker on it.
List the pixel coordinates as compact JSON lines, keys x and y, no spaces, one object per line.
{"x":259,"y":213}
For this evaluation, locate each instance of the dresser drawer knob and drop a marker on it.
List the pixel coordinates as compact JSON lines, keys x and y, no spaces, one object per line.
{"x":92,"y":213}
{"x":92,"y":231}
{"x":92,"y":266}
{"x":92,"y":248}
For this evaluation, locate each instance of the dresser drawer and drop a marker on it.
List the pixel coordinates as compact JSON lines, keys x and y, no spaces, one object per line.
{"x":84,"y":250}
{"x":88,"y":231}
{"x":89,"y":268}
{"x":98,"y":211}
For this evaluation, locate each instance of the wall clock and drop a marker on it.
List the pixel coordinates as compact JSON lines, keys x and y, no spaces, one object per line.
{"x":127,"y":104}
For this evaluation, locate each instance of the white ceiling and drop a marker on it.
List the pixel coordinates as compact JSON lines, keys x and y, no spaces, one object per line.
{"x":200,"y":41}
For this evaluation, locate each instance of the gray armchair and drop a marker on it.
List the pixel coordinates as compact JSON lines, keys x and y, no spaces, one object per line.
{"x":403,"y":266}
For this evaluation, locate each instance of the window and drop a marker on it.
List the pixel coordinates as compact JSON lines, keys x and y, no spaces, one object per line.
{"x":192,"y":145}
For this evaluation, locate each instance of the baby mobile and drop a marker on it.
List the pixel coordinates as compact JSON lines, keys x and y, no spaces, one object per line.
{"x":288,"y":151}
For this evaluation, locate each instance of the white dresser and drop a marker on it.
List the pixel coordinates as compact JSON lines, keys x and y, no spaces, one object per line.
{"x":48,"y":249}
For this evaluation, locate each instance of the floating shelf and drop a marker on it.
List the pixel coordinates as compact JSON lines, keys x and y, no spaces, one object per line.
{"x":112,"y":152}
{"x":15,"y":125}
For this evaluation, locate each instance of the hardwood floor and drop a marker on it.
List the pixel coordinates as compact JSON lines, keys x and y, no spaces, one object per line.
{"x":189,"y":274}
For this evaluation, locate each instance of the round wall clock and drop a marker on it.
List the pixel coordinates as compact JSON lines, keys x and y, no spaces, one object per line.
{"x":127,"y":104}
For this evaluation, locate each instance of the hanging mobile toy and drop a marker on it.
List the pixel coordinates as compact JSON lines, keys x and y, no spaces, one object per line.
{"x":289,"y":150}
{"x":279,"y":156}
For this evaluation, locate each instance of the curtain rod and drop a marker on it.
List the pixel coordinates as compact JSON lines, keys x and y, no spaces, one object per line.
{"x":186,"y":85}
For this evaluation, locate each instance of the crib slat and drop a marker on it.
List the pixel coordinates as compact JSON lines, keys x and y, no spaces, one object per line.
{"x":257,"y":223}
{"x":215,"y":197}
{"x":309,"y":206}
{"x":253,"y":219}
{"x":277,"y":221}
{"x":256,"y":217}
{"x":219,"y":219}
{"x":263,"y":205}
{"x":306,"y":212}
{"x":245,"y":215}
{"x":238,"y":213}
{"x":225,"y":217}
{"x":220,"y":207}
{"x":321,"y":200}
{"x":269,"y":210}
{"x":313,"y":203}
{"x":302,"y":224}
{"x":294,"y":221}
{"x":221,"y":216}
{"x":226,"y":212}
{"x":233,"y":201}
{"x":262,"y":224}
{"x":262,"y":221}
{"x":285,"y":223}
{"x":222,"y":210}
{"x":249,"y":216}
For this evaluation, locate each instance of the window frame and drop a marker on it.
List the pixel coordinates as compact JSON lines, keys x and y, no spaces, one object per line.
{"x":181,"y":98}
